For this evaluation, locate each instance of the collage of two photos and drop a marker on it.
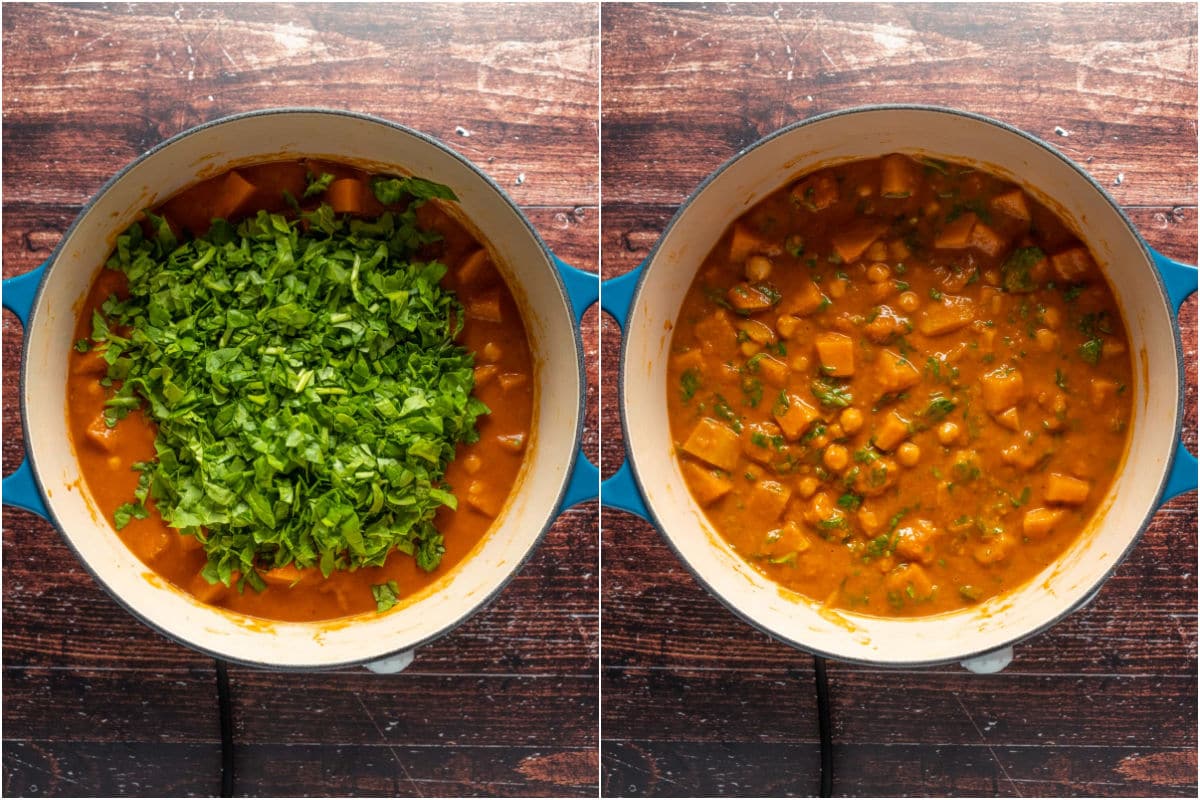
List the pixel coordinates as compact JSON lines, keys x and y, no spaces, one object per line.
{"x":591,"y":399}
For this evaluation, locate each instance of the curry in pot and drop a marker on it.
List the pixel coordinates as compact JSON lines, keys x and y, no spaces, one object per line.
{"x":900,"y":386}
{"x":300,"y":391}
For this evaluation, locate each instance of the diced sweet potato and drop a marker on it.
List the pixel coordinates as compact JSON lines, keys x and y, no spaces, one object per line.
{"x":477,"y":269}
{"x":986,"y":240}
{"x":952,"y":313}
{"x":898,"y":176}
{"x":915,"y":542}
{"x":910,"y":582}
{"x":1011,"y":204}
{"x":706,"y":484}
{"x":714,"y":443}
{"x":891,"y":431}
{"x":758,"y":442}
{"x":788,"y":538}
{"x":485,"y":308}
{"x":767,"y":500}
{"x":894,"y":372}
{"x":758,"y":331}
{"x":99,"y":434}
{"x":513,"y":442}
{"x":291,"y":575}
{"x":816,"y":192}
{"x":1066,"y":489}
{"x":993,"y":549}
{"x":345,"y":195}
{"x":484,"y":374}
{"x":744,"y":242}
{"x":1072,"y":264}
{"x":852,"y":241}
{"x":795,"y":419}
{"x":748,"y":299}
{"x":1040,"y":521}
{"x":1021,"y":455}
{"x":1002,"y":389}
{"x":956,"y":234}
{"x":513,"y":380}
{"x":1010,"y":419}
{"x":235,"y":192}
{"x":807,"y":300}
{"x":773,"y":371}
{"x":485,"y":498}
{"x":885,"y":326}
{"x":836,"y":351}
{"x":717,"y":335}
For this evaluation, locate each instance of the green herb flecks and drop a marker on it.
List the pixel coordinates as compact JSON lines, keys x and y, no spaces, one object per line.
{"x":304,"y":381}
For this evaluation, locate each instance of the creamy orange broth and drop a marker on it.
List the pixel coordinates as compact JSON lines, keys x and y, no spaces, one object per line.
{"x":482,"y":474}
{"x":899,"y":386}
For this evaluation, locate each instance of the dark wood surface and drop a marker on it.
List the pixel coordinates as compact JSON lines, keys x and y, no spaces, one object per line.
{"x":696,"y":702}
{"x":95,"y":703}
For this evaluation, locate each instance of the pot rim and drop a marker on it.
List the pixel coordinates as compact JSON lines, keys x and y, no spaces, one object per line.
{"x":643,"y":485}
{"x":517,"y":564}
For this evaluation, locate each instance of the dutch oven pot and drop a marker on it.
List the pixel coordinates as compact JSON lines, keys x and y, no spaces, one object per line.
{"x":1149,"y":287}
{"x":550,"y":294}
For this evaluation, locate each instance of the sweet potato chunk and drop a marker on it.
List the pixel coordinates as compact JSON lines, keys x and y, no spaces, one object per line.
{"x":807,"y":300}
{"x":788,"y":538}
{"x":706,"y":483}
{"x":748,"y":299}
{"x":1002,"y":389}
{"x":485,"y":308}
{"x":795,"y":419}
{"x":1040,"y":521}
{"x":851,"y":242}
{"x":892,"y":430}
{"x":894,"y":372}
{"x":816,"y":192}
{"x":767,"y":500}
{"x":956,"y":235}
{"x":476,"y":269}
{"x":898,"y":176}
{"x":744,"y":242}
{"x":714,"y":443}
{"x":915,"y":542}
{"x":235,"y":192}
{"x":986,"y":240}
{"x":909,"y":582}
{"x":758,"y":442}
{"x":952,"y":313}
{"x":836,"y":351}
{"x":1011,"y":204}
{"x":1072,"y":264}
{"x":773,"y":371}
{"x":717,"y":335}
{"x":1066,"y":489}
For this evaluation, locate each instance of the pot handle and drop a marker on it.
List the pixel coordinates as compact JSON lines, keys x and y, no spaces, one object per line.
{"x":20,"y":489}
{"x":1180,"y":280}
{"x":621,"y":490}
{"x":583,"y":288}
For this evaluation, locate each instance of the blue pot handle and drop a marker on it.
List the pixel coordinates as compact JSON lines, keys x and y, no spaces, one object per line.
{"x":583,"y":288}
{"x":20,"y":291}
{"x":20,"y":489}
{"x":584,"y":484}
{"x":621,"y":492}
{"x":617,"y":296}
{"x":1180,"y":280}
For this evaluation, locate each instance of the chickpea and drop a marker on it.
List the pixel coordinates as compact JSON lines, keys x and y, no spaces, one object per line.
{"x":852,"y":420}
{"x":909,"y":301}
{"x":836,"y":457}
{"x":750,"y":348}
{"x":878,"y":272}
{"x":472,"y":463}
{"x":808,"y":486}
{"x":908,"y":454}
{"x":1052,"y":318}
{"x":837,"y":289}
{"x":800,"y":364}
{"x":758,"y":268}
{"x":491,"y":352}
{"x":947,"y":433}
{"x":786,"y":325}
{"x":991,"y":277}
{"x":1046,"y":339}
{"x":877,"y":251}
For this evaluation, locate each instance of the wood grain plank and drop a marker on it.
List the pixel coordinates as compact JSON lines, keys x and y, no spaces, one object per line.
{"x":686,"y":88}
{"x":52,"y":768}
{"x":653,"y":768}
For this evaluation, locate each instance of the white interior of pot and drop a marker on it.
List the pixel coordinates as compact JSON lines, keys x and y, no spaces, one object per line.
{"x":802,"y":622}
{"x":548,"y":320}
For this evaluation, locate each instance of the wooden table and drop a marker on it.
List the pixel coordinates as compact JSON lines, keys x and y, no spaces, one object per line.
{"x":97,"y":704}
{"x":696,"y":702}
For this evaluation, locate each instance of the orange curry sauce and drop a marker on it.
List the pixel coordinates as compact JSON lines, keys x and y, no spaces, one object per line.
{"x":899,"y":386}
{"x":481,"y":474}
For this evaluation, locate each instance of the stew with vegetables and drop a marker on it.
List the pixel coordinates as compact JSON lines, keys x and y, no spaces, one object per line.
{"x":300,"y":391}
{"x":900,"y":386}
